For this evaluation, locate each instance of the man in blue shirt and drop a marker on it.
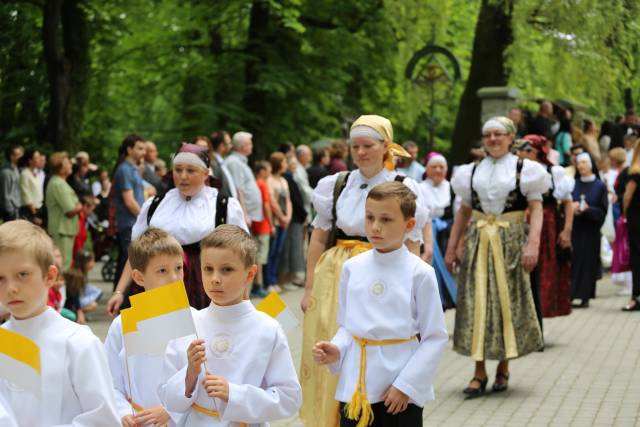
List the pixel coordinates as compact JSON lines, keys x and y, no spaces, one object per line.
{"x":128,"y":195}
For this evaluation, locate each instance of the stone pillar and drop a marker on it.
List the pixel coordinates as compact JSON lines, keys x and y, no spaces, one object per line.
{"x":497,"y":101}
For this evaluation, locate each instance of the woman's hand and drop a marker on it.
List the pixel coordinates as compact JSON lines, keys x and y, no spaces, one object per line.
{"x":114,"y":303}
{"x":306,"y":298}
{"x":564,"y":239}
{"x":530,"y":257}
{"x":451,"y":259}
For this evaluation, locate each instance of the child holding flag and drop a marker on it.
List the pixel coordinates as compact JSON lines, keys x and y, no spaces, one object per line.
{"x":391,"y":330}
{"x":52,"y":371}
{"x":156,"y":260}
{"x":240,"y":369}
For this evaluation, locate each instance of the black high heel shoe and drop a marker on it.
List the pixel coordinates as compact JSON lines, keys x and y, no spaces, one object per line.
{"x":498,"y":387}
{"x":472,"y":392}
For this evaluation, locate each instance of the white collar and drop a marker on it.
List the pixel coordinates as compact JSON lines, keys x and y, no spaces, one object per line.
{"x":230,"y":312}
{"x":35,"y":323}
{"x":390,"y":257}
{"x":589,"y":178}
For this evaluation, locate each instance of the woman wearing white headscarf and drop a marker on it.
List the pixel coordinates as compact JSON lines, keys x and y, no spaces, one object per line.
{"x":495,"y":313}
{"x":338,"y":234}
{"x":438,"y":196}
{"x":590,"y":203}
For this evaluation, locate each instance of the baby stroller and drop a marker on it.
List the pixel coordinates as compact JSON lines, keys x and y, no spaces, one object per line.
{"x":104,"y":247}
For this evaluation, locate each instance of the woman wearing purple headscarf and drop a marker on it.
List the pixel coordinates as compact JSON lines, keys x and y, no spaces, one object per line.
{"x":189,"y":212}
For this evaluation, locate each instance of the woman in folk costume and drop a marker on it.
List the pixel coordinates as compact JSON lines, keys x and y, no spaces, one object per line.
{"x":338,"y":235}
{"x":553,"y":272}
{"x":437,"y":194}
{"x":189,"y":212}
{"x":495,"y":314}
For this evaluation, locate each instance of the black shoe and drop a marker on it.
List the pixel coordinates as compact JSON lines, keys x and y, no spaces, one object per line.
{"x":472,"y":392}
{"x":498,"y":387}
{"x":583,"y":304}
{"x":634,"y":306}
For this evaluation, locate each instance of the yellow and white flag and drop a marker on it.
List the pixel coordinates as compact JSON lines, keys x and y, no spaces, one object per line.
{"x":155,"y":318}
{"x":275,"y":307}
{"x":20,"y":361}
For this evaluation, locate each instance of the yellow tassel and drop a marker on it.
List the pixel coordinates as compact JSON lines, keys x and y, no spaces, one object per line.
{"x":359,"y":409}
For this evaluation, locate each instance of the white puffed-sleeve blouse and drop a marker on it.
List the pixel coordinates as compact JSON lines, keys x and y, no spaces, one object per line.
{"x":562,"y":184}
{"x":350,"y":207}
{"x":494,"y":179}
{"x":437,"y":197}
{"x":189,"y":221}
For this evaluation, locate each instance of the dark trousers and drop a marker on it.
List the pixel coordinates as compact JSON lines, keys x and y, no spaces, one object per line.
{"x":534,"y":278}
{"x":123,"y":239}
{"x":634,"y":246}
{"x":410,"y":417}
{"x":275,"y":250}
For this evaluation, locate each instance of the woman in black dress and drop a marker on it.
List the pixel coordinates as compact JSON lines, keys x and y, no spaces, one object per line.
{"x":590,"y":204}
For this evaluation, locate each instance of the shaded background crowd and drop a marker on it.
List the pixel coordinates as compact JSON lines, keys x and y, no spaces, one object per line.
{"x":90,"y":211}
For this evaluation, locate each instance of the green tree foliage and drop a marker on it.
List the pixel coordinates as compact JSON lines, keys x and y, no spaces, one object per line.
{"x":294,"y":70}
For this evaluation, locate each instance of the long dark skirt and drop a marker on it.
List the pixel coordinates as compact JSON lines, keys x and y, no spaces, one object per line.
{"x":554,"y":271}
{"x":528,"y":338}
{"x":198,"y":298}
{"x":586,"y":265}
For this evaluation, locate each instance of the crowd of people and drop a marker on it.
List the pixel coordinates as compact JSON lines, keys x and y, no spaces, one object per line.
{"x":514,"y":236}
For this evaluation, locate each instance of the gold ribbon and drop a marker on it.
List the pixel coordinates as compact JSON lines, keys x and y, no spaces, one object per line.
{"x":202,"y":410}
{"x":135,"y":406}
{"x":355,"y":246}
{"x":209,"y":412}
{"x":359,"y":407}
{"x":489,"y":227}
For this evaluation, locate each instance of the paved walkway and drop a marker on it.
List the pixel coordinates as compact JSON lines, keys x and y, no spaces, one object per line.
{"x":589,"y":373}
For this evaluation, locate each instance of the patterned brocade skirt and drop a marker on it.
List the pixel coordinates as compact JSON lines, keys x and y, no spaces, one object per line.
{"x":319,"y":407}
{"x":495,"y":313}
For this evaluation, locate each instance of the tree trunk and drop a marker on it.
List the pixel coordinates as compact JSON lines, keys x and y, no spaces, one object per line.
{"x":492,"y":37}
{"x":66,"y":51}
{"x":255,"y":99}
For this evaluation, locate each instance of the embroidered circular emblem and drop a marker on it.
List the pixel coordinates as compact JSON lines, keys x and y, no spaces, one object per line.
{"x":221,"y":345}
{"x":305,"y":372}
{"x":377,"y":289}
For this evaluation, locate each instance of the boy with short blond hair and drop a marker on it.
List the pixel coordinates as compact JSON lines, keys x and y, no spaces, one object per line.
{"x":156,"y":260}
{"x":76,"y":385}
{"x":240,"y":369}
{"x":388,"y":297}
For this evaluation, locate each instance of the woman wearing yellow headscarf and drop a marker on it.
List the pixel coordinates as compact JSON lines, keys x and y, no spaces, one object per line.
{"x":338,"y":234}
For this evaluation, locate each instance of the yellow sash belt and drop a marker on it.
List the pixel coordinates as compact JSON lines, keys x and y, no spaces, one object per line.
{"x":489,"y":227}
{"x":356,"y":246}
{"x":359,"y":408}
{"x":208,"y":412}
{"x":205,"y":411}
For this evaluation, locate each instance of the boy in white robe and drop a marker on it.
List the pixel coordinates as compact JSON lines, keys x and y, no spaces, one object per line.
{"x":391,"y":329}
{"x":156,"y":260}
{"x":240,"y":369}
{"x":77,"y":389}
